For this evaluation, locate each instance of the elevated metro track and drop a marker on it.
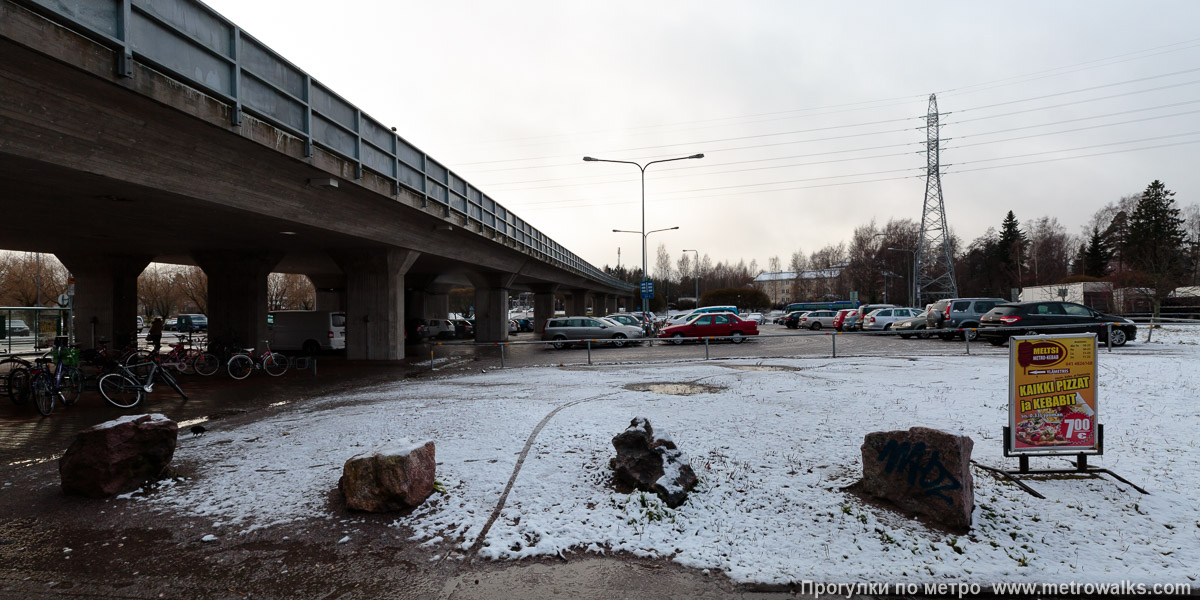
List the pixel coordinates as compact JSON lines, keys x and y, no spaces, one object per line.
{"x":111,"y":157}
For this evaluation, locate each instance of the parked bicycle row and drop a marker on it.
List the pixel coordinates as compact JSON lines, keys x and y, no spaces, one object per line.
{"x":123,"y":378}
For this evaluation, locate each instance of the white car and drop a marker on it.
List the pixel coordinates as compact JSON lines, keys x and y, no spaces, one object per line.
{"x":881,"y":319}
{"x":817,"y":319}
{"x":756,"y":317}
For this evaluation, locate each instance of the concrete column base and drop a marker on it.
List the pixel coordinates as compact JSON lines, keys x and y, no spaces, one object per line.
{"x":237,"y":295}
{"x":375,"y":301}
{"x":491,"y":305}
{"x":331,"y":292}
{"x":106,"y":299}
{"x":543,"y":307}
{"x":578,"y":304}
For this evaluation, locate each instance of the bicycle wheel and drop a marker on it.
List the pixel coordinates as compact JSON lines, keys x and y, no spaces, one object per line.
{"x":275,"y":364}
{"x":206,"y":364}
{"x":121,"y":391}
{"x":170,"y":380}
{"x":71,"y":386}
{"x":7,"y":366}
{"x":43,"y":393}
{"x":239,"y":366}
{"x":18,"y":385}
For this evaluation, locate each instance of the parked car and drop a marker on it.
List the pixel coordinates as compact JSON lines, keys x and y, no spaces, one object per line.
{"x":525,"y":323}
{"x":958,"y":313}
{"x":840,"y":319}
{"x":514,"y":327}
{"x":191,"y":323}
{"x":714,"y":324}
{"x":860,"y":316}
{"x":562,"y":329}
{"x":1033,"y":317}
{"x":417,"y":329}
{"x":307,"y":331}
{"x":881,"y":319}
{"x":792,"y":319}
{"x":912,"y":326}
{"x":169,"y":324}
{"x":464,"y":329}
{"x":756,"y":317}
{"x":18,"y":328}
{"x":818,"y":319}
{"x":141,"y":324}
{"x":627,"y":320}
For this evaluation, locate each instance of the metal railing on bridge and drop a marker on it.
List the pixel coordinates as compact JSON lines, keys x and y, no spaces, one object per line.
{"x":188,"y":41}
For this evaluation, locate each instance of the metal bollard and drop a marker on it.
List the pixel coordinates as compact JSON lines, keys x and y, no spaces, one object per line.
{"x":589,"y":346}
{"x":833,"y":337}
{"x":431,"y":358}
{"x":502,"y":355}
{"x":1108,"y":336}
{"x":706,"y":348}
{"x":967,"y":339}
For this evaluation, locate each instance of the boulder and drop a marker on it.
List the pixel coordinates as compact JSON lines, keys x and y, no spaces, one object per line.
{"x":118,"y":456}
{"x":922,"y":470}
{"x":649,"y":461}
{"x":393,"y":477}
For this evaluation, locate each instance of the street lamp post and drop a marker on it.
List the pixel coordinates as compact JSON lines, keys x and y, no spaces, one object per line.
{"x":696,"y":271}
{"x":645,"y":274}
{"x":642,"y":168}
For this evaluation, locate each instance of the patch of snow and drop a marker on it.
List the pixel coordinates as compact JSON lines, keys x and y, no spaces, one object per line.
{"x":209,"y":538}
{"x":154,"y":418}
{"x":772,"y":452}
{"x":344,"y":540}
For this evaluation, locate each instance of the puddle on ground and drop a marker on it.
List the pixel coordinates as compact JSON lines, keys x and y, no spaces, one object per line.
{"x":675,"y":389}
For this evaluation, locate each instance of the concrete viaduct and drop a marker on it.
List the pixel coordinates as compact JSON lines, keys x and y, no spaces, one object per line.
{"x":134,"y":131}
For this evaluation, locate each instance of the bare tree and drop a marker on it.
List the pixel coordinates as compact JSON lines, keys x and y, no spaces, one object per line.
{"x":158,"y":291}
{"x":193,"y":285}
{"x":1050,"y":251}
{"x":289,"y":291}
{"x":29,"y":277}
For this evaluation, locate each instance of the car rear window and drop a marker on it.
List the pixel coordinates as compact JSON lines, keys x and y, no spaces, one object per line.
{"x":1005,"y":310}
{"x":338,"y":320}
{"x":983,"y":306}
{"x":961,"y":306}
{"x":556,"y":323}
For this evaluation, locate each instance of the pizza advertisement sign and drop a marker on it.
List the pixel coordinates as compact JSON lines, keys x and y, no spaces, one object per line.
{"x":1052,"y":394}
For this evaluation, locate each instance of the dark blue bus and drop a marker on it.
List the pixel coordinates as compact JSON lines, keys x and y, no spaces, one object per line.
{"x":835,"y":305}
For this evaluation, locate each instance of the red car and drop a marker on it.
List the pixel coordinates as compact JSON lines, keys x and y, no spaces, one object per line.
{"x":713,"y":324}
{"x":841,"y":316}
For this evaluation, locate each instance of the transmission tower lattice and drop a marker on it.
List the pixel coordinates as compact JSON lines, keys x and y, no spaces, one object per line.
{"x":935,"y":261}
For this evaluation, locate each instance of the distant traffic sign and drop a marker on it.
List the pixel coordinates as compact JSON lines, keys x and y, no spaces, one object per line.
{"x":647,"y":289}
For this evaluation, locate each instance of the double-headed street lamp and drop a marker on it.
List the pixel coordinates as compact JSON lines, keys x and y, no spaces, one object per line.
{"x":642,"y":168}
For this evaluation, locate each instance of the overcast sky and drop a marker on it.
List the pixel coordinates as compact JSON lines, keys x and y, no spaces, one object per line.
{"x":810,"y":114}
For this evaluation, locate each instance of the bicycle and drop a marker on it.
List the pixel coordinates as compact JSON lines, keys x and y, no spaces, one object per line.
{"x":123,"y":388}
{"x":240,"y":365}
{"x":189,"y":359}
{"x":14,"y":379}
{"x":65,"y":381}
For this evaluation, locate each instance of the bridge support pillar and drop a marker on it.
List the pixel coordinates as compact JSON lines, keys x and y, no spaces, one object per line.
{"x":330,"y":292}
{"x":578,"y":304}
{"x":375,"y":301}
{"x":610,"y":304}
{"x":543,"y":306}
{"x":237,"y":295}
{"x":106,"y":300}
{"x":491,"y":306}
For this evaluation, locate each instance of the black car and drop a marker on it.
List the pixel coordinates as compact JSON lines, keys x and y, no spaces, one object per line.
{"x":792,"y":319}
{"x":463,"y":329}
{"x":1032,"y":318}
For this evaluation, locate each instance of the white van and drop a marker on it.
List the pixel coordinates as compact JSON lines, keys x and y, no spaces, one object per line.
{"x":307,"y":331}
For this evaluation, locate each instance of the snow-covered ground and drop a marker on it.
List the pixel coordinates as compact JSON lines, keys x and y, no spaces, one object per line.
{"x":773,"y":447}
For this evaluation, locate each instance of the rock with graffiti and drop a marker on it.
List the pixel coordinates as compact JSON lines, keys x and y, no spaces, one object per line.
{"x":922,"y":470}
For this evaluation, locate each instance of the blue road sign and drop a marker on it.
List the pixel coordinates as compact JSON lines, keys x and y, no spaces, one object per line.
{"x":647,"y":289}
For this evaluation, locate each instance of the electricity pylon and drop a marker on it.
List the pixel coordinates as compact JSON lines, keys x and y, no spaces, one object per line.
{"x":935,"y":259}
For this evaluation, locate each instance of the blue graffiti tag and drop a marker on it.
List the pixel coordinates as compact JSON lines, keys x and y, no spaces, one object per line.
{"x":905,"y":458}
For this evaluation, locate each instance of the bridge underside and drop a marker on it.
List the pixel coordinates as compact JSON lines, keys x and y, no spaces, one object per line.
{"x":112,"y":173}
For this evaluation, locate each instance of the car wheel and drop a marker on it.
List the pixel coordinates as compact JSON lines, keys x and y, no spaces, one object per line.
{"x":618,"y":340}
{"x":559,"y":342}
{"x":677,"y":339}
{"x":737,"y":337}
{"x":815,"y":326}
{"x":970,"y":335}
{"x":922,"y":334}
{"x":1118,"y":337}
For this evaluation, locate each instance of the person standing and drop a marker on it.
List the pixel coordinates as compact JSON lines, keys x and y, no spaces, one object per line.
{"x":155,"y":335}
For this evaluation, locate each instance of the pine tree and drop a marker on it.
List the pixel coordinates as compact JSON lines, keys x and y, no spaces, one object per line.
{"x":1079,"y":264}
{"x":1010,"y":251}
{"x":1155,"y":246}
{"x":1096,"y":255}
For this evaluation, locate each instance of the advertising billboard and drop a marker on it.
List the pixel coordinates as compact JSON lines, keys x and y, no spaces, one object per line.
{"x":1052,"y":394}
